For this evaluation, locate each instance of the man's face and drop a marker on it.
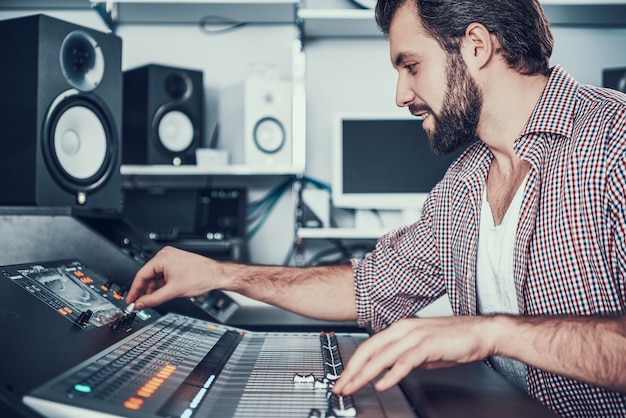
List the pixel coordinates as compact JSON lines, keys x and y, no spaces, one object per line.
{"x":433,"y":84}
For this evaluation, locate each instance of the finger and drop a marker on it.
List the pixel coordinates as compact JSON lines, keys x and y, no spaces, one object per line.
{"x":136,"y":289}
{"x":403,"y":367}
{"x":431,"y":365}
{"x":397,"y":372}
{"x":381,"y":351}
{"x":157,"y":297}
{"x":344,"y":385}
{"x":155,"y":284}
{"x":358,"y":371}
{"x":144,"y":278}
{"x":397,"y":354}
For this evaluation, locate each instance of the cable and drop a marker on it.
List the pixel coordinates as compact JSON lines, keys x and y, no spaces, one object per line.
{"x":214,"y":25}
{"x":259,"y":211}
{"x":254,"y":208}
{"x":289,"y":256}
{"x":379,"y":217}
{"x":318,"y":183}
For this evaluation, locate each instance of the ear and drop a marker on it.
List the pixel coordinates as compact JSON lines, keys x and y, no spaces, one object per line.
{"x":478,"y":46}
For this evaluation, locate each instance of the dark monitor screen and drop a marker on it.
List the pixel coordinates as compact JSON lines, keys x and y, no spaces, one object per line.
{"x":384,"y":163}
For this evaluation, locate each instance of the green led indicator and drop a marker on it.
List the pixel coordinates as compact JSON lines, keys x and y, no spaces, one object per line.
{"x":79,"y":387}
{"x":143,"y":315}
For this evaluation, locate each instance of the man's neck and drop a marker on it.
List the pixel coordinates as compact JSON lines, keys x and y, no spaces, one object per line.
{"x":509,"y":101}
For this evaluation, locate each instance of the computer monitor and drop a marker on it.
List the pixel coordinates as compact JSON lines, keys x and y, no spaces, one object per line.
{"x":383,"y":162}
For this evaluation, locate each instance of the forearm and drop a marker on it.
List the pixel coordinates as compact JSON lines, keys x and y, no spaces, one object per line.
{"x":325,"y":293}
{"x":318,"y":292}
{"x":588,"y":349}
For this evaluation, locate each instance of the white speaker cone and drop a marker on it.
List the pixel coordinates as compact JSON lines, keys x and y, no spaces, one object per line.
{"x":269,"y":135}
{"x":80,"y":142}
{"x":175,"y":131}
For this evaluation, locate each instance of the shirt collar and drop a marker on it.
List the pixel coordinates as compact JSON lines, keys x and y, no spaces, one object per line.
{"x":554,"y":112}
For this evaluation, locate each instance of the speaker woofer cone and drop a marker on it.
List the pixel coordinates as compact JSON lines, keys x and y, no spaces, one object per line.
{"x":269,"y":135}
{"x":82,"y":61}
{"x":174,"y":130}
{"x":78,"y":144}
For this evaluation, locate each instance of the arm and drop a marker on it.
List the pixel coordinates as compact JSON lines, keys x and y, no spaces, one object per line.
{"x":591,"y":350}
{"x":325,"y":293}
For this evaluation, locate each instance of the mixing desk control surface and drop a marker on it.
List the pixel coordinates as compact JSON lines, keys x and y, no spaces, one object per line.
{"x":77,"y":350}
{"x":185,"y":367}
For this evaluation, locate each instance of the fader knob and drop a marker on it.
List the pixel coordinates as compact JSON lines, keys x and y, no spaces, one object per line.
{"x":83,"y":318}
{"x":315,"y":413}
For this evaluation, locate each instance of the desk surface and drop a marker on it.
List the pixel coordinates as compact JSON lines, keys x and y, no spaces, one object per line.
{"x":471,"y":390}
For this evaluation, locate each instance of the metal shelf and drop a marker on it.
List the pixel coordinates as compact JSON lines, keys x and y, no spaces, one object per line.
{"x":115,"y":12}
{"x":338,"y":22}
{"x":316,"y":22}
{"x":361,"y":22}
{"x":340,"y":233}
{"x":194,"y":170}
{"x":609,"y":13}
{"x":44,"y":4}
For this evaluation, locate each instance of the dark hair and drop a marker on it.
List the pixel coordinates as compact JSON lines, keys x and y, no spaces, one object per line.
{"x":520,"y":26}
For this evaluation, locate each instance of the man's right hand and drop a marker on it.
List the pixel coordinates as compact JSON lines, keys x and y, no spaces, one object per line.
{"x":170,"y":274}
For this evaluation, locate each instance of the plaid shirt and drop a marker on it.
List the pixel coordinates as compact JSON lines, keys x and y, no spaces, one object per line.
{"x":570,"y":251}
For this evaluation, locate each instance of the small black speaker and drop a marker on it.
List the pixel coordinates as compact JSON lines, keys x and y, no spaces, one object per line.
{"x":614,"y":78}
{"x":60,"y":112}
{"x":163,"y":115}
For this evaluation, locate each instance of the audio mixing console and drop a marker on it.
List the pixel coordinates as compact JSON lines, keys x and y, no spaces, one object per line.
{"x":144,"y":364}
{"x":72,"y":348}
{"x":184,"y":367}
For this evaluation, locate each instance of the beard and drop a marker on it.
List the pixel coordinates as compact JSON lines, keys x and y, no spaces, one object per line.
{"x":456,"y":123}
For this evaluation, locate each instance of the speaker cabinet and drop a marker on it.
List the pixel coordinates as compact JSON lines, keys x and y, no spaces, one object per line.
{"x":255,"y":122}
{"x":614,"y":78}
{"x":163,"y":115}
{"x":60,"y":113}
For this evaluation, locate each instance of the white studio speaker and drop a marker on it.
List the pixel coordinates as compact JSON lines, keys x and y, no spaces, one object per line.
{"x":255,"y":122}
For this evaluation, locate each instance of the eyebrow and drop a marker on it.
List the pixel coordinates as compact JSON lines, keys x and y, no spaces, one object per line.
{"x":403,"y":56}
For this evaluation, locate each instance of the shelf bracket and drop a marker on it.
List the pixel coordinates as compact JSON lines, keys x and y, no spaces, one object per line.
{"x":107,"y":12}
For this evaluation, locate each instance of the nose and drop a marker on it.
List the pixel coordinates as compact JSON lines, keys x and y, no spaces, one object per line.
{"x":404,"y":94}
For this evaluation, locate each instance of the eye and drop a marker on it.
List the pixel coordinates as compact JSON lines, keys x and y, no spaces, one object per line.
{"x":411,"y":68}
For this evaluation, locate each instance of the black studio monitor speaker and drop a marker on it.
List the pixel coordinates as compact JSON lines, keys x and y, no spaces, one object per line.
{"x":60,"y":113}
{"x":614,"y":78}
{"x":163,"y":115}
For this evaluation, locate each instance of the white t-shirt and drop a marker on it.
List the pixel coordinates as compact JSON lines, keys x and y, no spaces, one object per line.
{"x":495,"y":284}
